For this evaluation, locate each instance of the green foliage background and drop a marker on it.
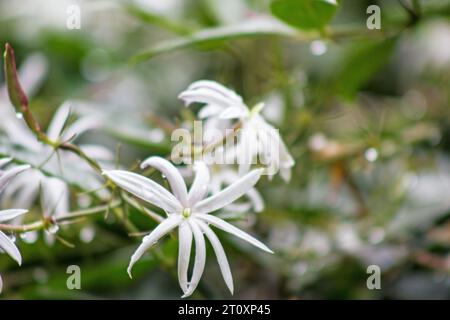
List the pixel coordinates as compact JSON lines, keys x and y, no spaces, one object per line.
{"x":367,"y":122}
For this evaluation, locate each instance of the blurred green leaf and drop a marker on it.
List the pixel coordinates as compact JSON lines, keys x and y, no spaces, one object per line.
{"x":361,"y":63}
{"x":157,"y":19}
{"x":305,"y":14}
{"x":216,"y":36}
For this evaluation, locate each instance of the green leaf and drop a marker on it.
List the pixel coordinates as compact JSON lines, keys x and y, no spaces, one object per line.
{"x":305,"y":14}
{"x":157,"y":20}
{"x":215,"y":36}
{"x":361,"y":64}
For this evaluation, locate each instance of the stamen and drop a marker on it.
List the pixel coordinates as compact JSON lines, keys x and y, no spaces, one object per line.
{"x":186,"y":212}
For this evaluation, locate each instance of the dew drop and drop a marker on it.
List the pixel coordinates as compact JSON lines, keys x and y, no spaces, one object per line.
{"x":29,"y":237}
{"x":53,"y":229}
{"x":19,"y":115}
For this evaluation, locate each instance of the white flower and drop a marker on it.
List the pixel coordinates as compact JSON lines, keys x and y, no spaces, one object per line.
{"x":55,"y":192}
{"x":222,"y":176}
{"x":256,"y":136}
{"x":189,"y":211}
{"x":6,"y":244}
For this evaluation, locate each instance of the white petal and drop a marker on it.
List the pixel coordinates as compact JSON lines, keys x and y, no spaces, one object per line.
{"x":97,"y":152}
{"x":1,"y":284}
{"x":200,"y":257}
{"x":145,"y":189}
{"x":55,"y":196}
{"x":10,"y":214}
{"x":217,"y":87}
{"x":199,"y":187}
{"x":58,"y":121}
{"x":10,"y":248}
{"x":220,"y":255}
{"x":234,"y":112}
{"x":80,"y":126}
{"x":184,"y":254}
{"x":205,"y":96}
{"x":256,"y":199}
{"x":4,"y":161}
{"x":209,"y":111}
{"x":7,"y":175}
{"x":225,"y":226}
{"x":230,"y":193}
{"x":32,"y":72}
{"x":172,"y":174}
{"x":148,"y":241}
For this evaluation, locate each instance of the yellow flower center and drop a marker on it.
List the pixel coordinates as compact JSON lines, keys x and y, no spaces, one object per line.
{"x":187,"y":212}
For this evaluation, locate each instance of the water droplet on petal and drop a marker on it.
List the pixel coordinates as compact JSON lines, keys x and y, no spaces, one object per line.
{"x":12,"y":238}
{"x":29,"y":237}
{"x":19,"y":115}
{"x":53,"y":229}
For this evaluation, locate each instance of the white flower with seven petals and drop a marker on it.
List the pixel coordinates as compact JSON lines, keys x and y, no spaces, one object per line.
{"x":256,"y":136}
{"x":190,"y":212}
{"x":6,"y":244}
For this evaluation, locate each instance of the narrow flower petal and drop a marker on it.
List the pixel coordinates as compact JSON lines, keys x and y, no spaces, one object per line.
{"x":217,"y":87}
{"x":184,"y":254}
{"x":205,"y":96}
{"x":10,"y":248}
{"x":4,"y":161}
{"x":234,"y":112}
{"x":256,"y":200}
{"x":172,"y":174}
{"x":58,"y":122}
{"x":209,"y":111}
{"x":148,"y":241}
{"x":225,"y":226}
{"x":97,"y":152}
{"x":220,"y":255}
{"x":199,"y":187}
{"x":1,"y":284}
{"x":10,"y":214}
{"x":6,"y":176}
{"x":80,"y":126}
{"x":55,"y":196}
{"x":145,"y":189}
{"x":200,"y":257}
{"x":230,"y":193}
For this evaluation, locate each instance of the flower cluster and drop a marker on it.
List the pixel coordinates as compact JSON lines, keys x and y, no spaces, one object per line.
{"x":6,"y":244}
{"x":214,"y":192}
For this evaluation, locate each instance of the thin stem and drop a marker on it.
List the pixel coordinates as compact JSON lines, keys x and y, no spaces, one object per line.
{"x":46,"y":222}
{"x":138,"y":206}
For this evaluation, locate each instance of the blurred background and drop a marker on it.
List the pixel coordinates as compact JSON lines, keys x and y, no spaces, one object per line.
{"x":365,"y":113}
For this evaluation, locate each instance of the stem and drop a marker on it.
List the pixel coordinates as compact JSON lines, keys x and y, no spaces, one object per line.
{"x":75,"y":149}
{"x":138,"y":206}
{"x":46,"y":222}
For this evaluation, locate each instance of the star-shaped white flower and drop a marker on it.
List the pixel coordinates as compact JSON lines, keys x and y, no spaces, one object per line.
{"x":257,"y":137}
{"x":190,"y":212}
{"x":54,"y":190}
{"x":6,"y":244}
